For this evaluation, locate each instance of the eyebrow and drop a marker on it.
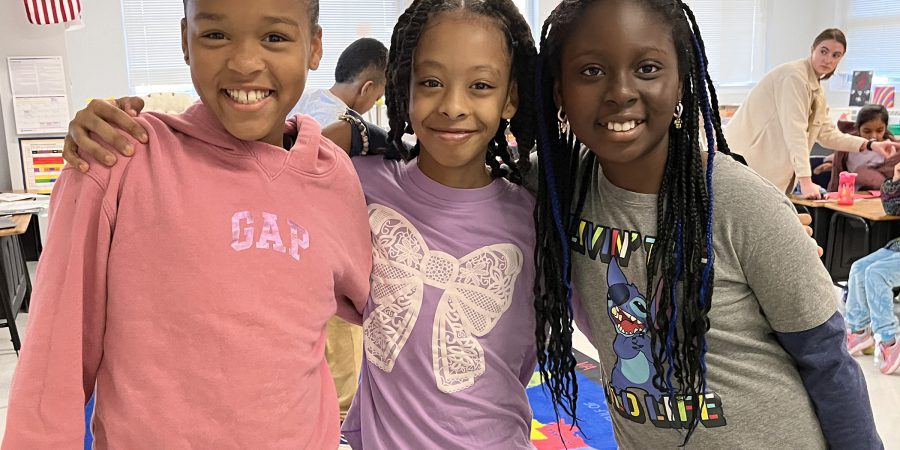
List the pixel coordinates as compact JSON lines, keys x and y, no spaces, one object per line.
{"x":829,"y":50}
{"x":281,"y":19}
{"x":595,"y":51}
{"x":209,"y":16}
{"x":268,"y":19}
{"x":436,"y":65}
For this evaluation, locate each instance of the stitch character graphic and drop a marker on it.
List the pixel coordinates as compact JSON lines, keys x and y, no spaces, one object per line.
{"x":629,"y":312}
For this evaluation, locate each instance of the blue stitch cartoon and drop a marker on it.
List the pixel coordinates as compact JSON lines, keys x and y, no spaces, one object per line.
{"x":629,"y":312}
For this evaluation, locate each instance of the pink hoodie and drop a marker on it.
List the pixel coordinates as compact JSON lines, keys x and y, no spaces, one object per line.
{"x":192,"y":283}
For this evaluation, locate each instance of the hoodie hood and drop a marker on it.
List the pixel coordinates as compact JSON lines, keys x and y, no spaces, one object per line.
{"x":310,"y":153}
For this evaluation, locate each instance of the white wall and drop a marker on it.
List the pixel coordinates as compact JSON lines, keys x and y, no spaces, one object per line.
{"x":19,"y":38}
{"x":97,"y":54}
{"x":792,"y":25}
{"x":94,"y":57}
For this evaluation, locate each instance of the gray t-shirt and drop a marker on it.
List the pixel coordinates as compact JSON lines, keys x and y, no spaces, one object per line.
{"x":768,"y":279}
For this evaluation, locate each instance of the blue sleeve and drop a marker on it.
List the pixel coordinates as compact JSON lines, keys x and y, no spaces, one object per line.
{"x":835,"y":385}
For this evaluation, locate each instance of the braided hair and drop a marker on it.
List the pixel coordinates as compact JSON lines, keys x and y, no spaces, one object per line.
{"x":519,"y":42}
{"x":683,"y":261}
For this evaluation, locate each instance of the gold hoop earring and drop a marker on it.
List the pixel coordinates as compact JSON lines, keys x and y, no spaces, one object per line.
{"x":563,"y":121}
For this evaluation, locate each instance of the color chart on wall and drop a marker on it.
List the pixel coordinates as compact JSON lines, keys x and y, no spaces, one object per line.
{"x":42,"y":162}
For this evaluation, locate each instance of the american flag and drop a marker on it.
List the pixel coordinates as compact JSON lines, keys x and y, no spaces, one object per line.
{"x":42,"y":12}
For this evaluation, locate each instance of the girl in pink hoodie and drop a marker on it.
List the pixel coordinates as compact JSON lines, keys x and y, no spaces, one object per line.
{"x":189,"y":285}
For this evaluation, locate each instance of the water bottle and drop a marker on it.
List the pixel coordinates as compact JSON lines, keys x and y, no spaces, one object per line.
{"x":846,"y":188}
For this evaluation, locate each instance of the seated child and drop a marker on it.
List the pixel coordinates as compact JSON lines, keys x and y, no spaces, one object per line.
{"x":871,"y":167}
{"x":189,"y":285}
{"x":870,"y":308}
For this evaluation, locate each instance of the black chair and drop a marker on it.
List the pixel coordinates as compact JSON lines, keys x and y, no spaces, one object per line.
{"x":823,"y":178}
{"x":841,"y":253}
{"x":15,"y":286}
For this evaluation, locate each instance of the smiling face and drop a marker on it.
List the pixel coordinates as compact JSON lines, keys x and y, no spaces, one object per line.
{"x":457,"y":98}
{"x":825,"y":57}
{"x":249,"y":65}
{"x":618,"y":85}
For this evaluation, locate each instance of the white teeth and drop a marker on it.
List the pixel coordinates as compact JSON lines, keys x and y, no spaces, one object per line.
{"x":621,"y":127}
{"x":247,"y":97}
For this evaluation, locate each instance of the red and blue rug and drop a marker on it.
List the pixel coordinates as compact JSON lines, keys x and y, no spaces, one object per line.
{"x":594,"y":430}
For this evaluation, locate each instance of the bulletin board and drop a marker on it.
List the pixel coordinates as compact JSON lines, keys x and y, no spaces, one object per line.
{"x":42,"y":163}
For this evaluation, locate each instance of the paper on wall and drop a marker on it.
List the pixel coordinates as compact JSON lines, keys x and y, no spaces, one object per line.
{"x":39,"y":94}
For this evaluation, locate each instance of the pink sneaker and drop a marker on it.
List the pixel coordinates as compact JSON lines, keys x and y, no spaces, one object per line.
{"x":890,"y":358}
{"x":860,"y":342}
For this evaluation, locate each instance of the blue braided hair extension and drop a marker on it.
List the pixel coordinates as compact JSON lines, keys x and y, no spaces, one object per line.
{"x":673,"y":322}
{"x":547,"y":164}
{"x":706,"y":284}
{"x":553,"y":288}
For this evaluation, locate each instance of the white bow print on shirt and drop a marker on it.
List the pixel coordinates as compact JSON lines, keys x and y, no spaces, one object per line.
{"x":477,"y":291}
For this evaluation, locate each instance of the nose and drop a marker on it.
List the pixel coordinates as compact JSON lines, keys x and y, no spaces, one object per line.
{"x":455,"y":104}
{"x":621,"y":90}
{"x":245,"y":58}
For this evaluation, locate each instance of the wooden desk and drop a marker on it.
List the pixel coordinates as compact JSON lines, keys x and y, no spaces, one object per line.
{"x":869,"y":209}
{"x":800,"y":201}
{"x":856,"y":231}
{"x":22,"y":221}
{"x":15,"y":283}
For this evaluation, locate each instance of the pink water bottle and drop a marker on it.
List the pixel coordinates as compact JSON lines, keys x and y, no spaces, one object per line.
{"x":846,"y":188}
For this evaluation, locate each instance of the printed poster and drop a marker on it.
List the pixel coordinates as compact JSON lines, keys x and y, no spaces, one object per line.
{"x":861,"y":87}
{"x":42,"y":163}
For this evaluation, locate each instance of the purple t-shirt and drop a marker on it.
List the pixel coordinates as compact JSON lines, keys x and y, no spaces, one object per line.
{"x":449,"y":327}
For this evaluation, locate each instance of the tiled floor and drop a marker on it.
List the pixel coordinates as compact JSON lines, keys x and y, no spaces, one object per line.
{"x":884,"y":391}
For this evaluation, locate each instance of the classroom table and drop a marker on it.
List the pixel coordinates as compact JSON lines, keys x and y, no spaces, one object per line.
{"x":15,"y":283}
{"x":856,"y":231}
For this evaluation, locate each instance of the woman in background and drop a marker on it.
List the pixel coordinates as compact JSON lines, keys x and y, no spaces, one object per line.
{"x":786,"y":113}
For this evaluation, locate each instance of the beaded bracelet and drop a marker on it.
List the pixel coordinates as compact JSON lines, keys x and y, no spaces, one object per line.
{"x":363,"y":131}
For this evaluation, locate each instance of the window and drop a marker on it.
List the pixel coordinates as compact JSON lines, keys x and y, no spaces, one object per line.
{"x":526,"y":7}
{"x":153,"y":46}
{"x":734,"y":35}
{"x":873,"y":32}
{"x":153,"y":39}
{"x":344,"y":22}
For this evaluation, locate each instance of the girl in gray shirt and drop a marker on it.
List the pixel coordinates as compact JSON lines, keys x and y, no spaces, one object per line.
{"x":712,"y":316}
